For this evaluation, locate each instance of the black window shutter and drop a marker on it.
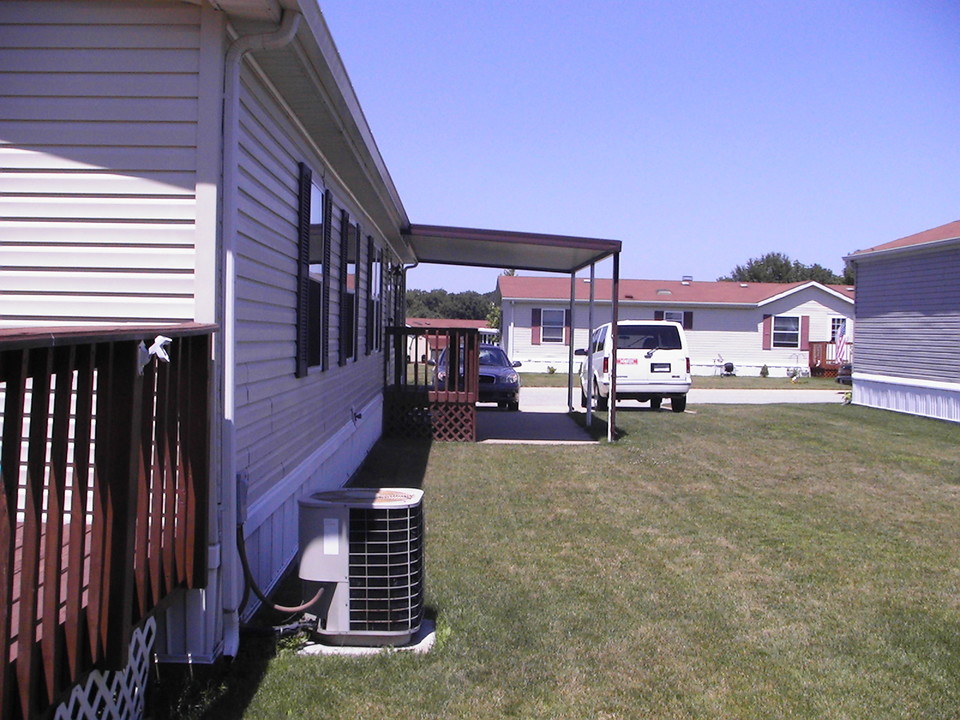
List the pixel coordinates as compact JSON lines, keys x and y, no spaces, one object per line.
{"x":303,"y":270}
{"x":344,"y":319}
{"x":371,"y":315}
{"x":688,"y":320}
{"x":658,"y":314}
{"x":327,"y":277}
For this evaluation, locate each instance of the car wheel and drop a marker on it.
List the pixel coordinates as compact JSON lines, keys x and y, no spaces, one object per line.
{"x":602,"y":402}
{"x":583,"y":398}
{"x":679,"y":404}
{"x":655,"y":403}
{"x":514,"y":406}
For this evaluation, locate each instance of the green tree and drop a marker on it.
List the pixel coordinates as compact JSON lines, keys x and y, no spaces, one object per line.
{"x":775,"y":267}
{"x":438,"y":303}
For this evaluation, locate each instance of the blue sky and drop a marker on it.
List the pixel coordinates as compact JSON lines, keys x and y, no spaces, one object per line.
{"x":701,"y":134}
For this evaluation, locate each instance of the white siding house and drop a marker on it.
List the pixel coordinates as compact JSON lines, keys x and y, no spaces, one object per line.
{"x":748,"y":324}
{"x":908,"y":323}
{"x":182,"y":161}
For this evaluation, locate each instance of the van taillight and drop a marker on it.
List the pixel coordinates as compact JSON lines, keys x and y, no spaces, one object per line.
{"x":606,"y":365}
{"x":688,"y":366}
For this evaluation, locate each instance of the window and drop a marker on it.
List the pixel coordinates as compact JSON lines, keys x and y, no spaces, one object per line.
{"x":552,"y":326}
{"x":374,"y":293}
{"x":786,"y":331}
{"x":349,"y":256}
{"x":313,"y":272}
{"x":835,"y":325}
{"x":684,"y":317}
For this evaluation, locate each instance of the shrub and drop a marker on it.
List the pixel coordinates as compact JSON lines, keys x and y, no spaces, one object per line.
{"x":764,"y":371}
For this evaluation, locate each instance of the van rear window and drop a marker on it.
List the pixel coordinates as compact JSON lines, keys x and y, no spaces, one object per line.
{"x":648,"y":337}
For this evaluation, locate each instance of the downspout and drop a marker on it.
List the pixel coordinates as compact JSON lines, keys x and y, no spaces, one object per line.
{"x":231,"y":571}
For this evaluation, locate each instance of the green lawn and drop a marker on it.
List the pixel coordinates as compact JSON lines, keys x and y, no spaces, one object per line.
{"x":729,"y":562}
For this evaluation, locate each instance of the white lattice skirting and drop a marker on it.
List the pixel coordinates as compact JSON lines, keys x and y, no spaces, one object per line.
{"x":115,"y":695}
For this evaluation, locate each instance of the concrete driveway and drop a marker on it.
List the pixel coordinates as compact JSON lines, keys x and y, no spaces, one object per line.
{"x":544,"y":399}
{"x":543,"y":412}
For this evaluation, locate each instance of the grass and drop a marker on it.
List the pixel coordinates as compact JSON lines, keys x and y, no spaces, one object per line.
{"x":731,"y":562}
{"x":706,"y":381}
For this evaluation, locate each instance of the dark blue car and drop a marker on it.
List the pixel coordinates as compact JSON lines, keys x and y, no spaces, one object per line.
{"x":499,"y":381}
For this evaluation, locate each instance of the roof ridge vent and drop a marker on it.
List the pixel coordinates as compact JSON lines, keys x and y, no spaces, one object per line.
{"x":744,"y":285}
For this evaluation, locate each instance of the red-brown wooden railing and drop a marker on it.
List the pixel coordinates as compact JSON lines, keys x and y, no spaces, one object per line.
{"x":415,"y":404}
{"x":823,"y":359}
{"x":103,"y":512}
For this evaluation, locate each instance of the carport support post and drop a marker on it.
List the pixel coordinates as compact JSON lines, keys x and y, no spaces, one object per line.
{"x":589,"y":361}
{"x":573,"y":329}
{"x":612,"y":415}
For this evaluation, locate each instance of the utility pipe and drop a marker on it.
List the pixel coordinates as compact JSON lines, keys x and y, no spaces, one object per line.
{"x":231,"y":578}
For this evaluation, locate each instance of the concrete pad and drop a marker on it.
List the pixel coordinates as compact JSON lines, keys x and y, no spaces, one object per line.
{"x":422,"y":642}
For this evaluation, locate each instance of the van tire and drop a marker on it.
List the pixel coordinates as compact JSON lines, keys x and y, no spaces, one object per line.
{"x":678,"y":404}
{"x":602,"y":402}
{"x":655,"y":403}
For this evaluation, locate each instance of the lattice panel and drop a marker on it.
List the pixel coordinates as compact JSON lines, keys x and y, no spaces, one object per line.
{"x":406,"y":416}
{"x":454,"y":422}
{"x":114,"y":695}
{"x":410,"y":415}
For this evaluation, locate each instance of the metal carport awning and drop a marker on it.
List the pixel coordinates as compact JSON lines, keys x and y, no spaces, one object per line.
{"x":525,"y":251}
{"x":502,"y":249}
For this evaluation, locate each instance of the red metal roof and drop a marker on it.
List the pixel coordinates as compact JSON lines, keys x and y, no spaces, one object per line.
{"x":950,"y":231}
{"x":682,"y":292}
{"x":441,"y":323}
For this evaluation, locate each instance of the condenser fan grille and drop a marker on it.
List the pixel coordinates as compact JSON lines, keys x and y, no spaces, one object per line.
{"x":386,"y":568}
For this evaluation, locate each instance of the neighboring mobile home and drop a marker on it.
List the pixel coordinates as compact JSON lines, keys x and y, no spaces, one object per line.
{"x":751,"y":325}
{"x":191,"y":165}
{"x":908,"y":324}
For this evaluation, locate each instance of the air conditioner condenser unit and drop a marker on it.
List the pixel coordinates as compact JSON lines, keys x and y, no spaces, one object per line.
{"x":365,"y":545}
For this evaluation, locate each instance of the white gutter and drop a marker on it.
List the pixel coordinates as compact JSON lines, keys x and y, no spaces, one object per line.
{"x":231,"y":572}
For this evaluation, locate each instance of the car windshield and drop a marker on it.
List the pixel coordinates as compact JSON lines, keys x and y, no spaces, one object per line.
{"x":493,"y":356}
{"x":648,"y":337}
{"x":488,"y":356}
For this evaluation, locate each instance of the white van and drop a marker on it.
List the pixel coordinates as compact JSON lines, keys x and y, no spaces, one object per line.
{"x":652,"y":363}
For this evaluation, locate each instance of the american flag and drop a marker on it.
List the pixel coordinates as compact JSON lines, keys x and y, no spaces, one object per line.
{"x":841,"y":354}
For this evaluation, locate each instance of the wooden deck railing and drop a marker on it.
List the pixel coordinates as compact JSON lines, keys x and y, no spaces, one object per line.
{"x":415,"y":403}
{"x":104,"y":503}
{"x":823,"y":359}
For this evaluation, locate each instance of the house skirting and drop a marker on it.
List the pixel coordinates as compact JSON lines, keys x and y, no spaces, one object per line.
{"x":189,"y":631}
{"x":928,"y":398}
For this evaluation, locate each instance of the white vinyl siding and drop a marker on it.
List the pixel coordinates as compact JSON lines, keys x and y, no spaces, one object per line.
{"x":281,"y":419}
{"x":908,"y":316}
{"x":99,"y":141}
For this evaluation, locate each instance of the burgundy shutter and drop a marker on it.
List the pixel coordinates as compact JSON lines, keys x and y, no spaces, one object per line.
{"x":303,"y":270}
{"x":767,"y":332}
{"x":804,"y":332}
{"x":535,"y":327}
{"x":566,"y":326}
{"x":658,"y":314}
{"x":688,"y":320}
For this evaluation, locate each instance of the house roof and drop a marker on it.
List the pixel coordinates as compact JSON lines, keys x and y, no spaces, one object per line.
{"x":661,"y":292}
{"x":446,"y":323}
{"x":942,"y":234}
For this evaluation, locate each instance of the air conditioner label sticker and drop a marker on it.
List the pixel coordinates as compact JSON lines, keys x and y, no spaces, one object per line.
{"x":331,"y":536}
